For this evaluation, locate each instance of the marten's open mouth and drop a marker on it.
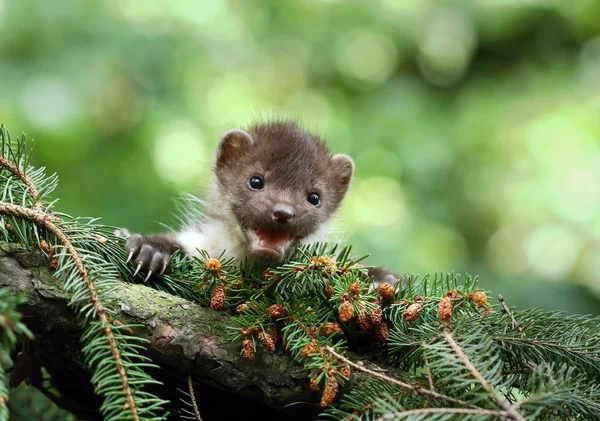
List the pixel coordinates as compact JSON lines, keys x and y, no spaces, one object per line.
{"x":269,"y":243}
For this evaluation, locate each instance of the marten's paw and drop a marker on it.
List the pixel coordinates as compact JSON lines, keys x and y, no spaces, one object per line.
{"x":150,"y":254}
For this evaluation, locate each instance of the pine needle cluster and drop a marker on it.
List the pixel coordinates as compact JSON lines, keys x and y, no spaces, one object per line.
{"x":11,"y":328}
{"x":77,"y":249}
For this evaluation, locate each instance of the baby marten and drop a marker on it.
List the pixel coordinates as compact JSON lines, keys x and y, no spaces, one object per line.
{"x":275,"y":186}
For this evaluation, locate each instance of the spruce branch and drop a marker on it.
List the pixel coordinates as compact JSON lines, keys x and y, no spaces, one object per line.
{"x":511,"y":412}
{"x":43,"y":220}
{"x":11,"y":328}
{"x":91,"y":299}
{"x":426,"y":413}
{"x":413,"y":388}
{"x":193,"y":399}
{"x":506,"y":310}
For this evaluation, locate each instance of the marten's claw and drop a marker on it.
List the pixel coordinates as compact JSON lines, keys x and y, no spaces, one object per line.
{"x":150,"y":254}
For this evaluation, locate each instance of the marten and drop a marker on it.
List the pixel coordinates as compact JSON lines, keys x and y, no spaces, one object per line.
{"x":275,"y":186}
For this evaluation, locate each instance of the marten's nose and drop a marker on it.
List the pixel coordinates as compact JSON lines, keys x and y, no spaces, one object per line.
{"x":282,"y":214}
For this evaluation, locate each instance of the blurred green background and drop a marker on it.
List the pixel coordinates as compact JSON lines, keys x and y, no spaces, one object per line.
{"x":474,"y":125}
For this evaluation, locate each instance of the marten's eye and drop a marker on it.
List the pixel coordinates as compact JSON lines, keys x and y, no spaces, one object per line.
{"x":256,"y":183}
{"x":314,"y":199}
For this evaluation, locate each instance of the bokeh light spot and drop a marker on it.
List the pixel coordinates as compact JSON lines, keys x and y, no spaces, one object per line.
{"x":552,"y":250}
{"x":439,"y":248}
{"x":376,"y":201}
{"x":179,"y":154}
{"x":366,"y":56}
{"x":48,"y":102}
{"x":446,"y":47}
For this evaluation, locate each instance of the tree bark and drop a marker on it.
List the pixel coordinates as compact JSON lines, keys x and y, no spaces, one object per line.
{"x":184,"y":339}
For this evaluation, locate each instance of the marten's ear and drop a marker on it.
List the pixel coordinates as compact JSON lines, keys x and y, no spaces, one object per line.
{"x":343,"y":168}
{"x":233,"y":145}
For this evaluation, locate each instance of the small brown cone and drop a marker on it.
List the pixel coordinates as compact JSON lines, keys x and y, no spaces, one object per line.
{"x":212,"y":265}
{"x":273,"y":333}
{"x":309,"y":349}
{"x":329,"y":291}
{"x":330,"y":391}
{"x":277,"y":311}
{"x":325,"y":264}
{"x":267,"y":341}
{"x":445,"y":309}
{"x":364,"y":323}
{"x":218,"y":298}
{"x":314,"y":383}
{"x":412,"y":312}
{"x":480,"y":298}
{"x":386,"y":291}
{"x":269,"y":275}
{"x":346,"y":311}
{"x":330,"y":328}
{"x":345,"y":371}
{"x":453,"y":294}
{"x":354,"y":288}
{"x":53,"y":264}
{"x":376,"y":316}
{"x":241,"y":308}
{"x":382,"y":332}
{"x":248,"y":349}
{"x":47,"y":248}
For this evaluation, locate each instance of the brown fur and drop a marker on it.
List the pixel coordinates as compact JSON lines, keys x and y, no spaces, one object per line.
{"x":293,"y":164}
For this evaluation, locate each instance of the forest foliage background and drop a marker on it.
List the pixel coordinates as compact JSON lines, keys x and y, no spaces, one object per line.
{"x":474,"y":125}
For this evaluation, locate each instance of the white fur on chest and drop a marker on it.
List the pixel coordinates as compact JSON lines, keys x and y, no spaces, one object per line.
{"x":215,"y":237}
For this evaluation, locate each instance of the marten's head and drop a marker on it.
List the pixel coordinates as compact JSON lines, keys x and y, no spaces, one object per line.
{"x":280,"y":184}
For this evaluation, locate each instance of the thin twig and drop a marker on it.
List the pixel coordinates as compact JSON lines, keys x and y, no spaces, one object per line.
{"x":511,"y":412}
{"x":21,"y":174}
{"x":415,"y":388}
{"x":457,"y":411}
{"x":193,"y":398}
{"x":506,"y":310}
{"x":429,"y":377}
{"x":43,"y":220}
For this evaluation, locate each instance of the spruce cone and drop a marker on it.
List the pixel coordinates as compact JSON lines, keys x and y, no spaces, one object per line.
{"x":269,"y":275}
{"x":412,"y":312}
{"x":47,"y":248}
{"x":273,"y":333}
{"x":241,"y":308}
{"x":382,"y":332}
{"x":386,"y":291}
{"x":479,"y":298}
{"x":453,"y":294}
{"x":345,"y":371}
{"x":346,"y":311}
{"x":267,"y":341}
{"x":314,"y":383}
{"x":325,"y":264}
{"x":212,"y":265}
{"x":376,"y":316}
{"x":354,"y":288}
{"x":330,"y":391}
{"x":329,"y":291}
{"x":277,"y":311}
{"x":309,"y":349}
{"x":364,"y":323}
{"x":330,"y":328}
{"x":248,"y":349}
{"x":218,"y":298}
{"x":445,"y":309}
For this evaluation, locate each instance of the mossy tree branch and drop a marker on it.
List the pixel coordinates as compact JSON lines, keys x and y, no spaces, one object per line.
{"x":183,"y":338}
